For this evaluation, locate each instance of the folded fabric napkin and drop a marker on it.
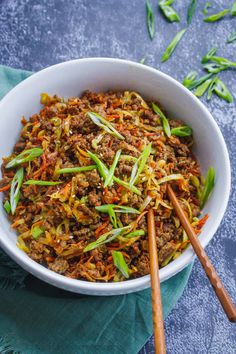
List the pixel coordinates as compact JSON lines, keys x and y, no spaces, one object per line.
{"x":36,"y":318}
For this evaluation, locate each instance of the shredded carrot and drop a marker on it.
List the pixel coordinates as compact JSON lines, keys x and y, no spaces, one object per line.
{"x":100,"y":229}
{"x":5,"y":188}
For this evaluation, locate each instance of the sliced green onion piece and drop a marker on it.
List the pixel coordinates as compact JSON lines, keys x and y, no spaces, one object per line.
{"x":135,"y":233}
{"x":199,"y":81}
{"x":189,"y":78}
{"x":105,"y":238}
{"x":36,"y":182}
{"x":127,"y":185}
{"x":222,"y":91}
{"x":182,"y":131}
{"x":171,"y":47}
{"x":206,"y":7}
{"x":104,"y":124}
{"x":25,"y":156}
{"x":15,"y":189}
{"x":76,"y":169}
{"x":103,"y":170}
{"x":208,"y":186}
{"x":216,"y":17}
{"x":36,"y":232}
{"x":120,"y":263}
{"x":110,"y":175}
{"x":191,"y":10}
{"x":214,"y":67}
{"x":7,"y":206}
{"x":170,"y":178}
{"x":223,"y":61}
{"x":168,"y":11}
{"x":233,"y":9}
{"x":140,"y":164}
{"x":211,"y":88}
{"x":231,"y":38}
{"x":111,"y":209}
{"x":150,"y":20}
{"x":142,"y":61}
{"x":208,"y":56}
{"x":202,"y":88}
{"x":164,"y":120}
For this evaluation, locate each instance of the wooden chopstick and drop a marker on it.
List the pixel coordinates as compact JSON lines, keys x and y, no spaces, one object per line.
{"x":215,"y":281}
{"x":158,"y":325}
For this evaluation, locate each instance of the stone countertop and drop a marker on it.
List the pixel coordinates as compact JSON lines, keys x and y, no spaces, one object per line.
{"x":38,"y":33}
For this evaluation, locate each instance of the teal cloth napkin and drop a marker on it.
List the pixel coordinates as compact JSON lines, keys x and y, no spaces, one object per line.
{"x":36,"y":318}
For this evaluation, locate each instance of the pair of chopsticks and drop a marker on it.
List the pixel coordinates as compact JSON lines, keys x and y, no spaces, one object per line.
{"x":220,"y":291}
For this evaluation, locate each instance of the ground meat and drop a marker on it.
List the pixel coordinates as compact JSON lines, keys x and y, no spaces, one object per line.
{"x":166,"y":251}
{"x":94,"y":199}
{"x":60,"y":265}
{"x":93,"y":178}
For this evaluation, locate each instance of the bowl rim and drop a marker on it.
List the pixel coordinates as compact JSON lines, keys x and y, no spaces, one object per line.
{"x":82,"y":286}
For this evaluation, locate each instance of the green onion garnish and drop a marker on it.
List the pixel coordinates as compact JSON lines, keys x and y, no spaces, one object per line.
{"x":127,"y":185}
{"x":208,"y":56}
{"x":164,"y":120}
{"x":142,"y":61}
{"x":206,"y":7}
{"x":36,"y":182}
{"x":171,"y":47}
{"x":202,"y":88}
{"x":110,"y":175}
{"x":168,"y":11}
{"x":216,"y":17}
{"x":191,"y":10}
{"x":222,"y":91}
{"x":15,"y":189}
{"x":208,"y":186}
{"x":25,"y":156}
{"x":36,"y":232}
{"x":104,"y":124}
{"x":135,"y":233}
{"x":7,"y":206}
{"x":140,"y":164}
{"x":111,"y":209}
{"x":189,"y":78}
{"x":76,"y":169}
{"x":150,"y":20}
{"x":231,"y":38}
{"x":120,"y":263}
{"x":233,"y":9}
{"x":214,"y":67}
{"x":199,"y":81}
{"x":182,"y":131}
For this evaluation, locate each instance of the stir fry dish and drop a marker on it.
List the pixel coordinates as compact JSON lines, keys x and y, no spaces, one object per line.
{"x":83,"y":175}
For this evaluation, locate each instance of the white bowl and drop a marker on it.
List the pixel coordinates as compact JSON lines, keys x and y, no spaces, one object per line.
{"x":100,"y":74}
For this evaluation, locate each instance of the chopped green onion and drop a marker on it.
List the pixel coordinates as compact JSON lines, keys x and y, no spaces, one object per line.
{"x":216,"y":17}
{"x":233,"y":9}
{"x":168,"y":11}
{"x":164,"y":120}
{"x":36,"y":232}
{"x":105,"y":238}
{"x":127,"y":185}
{"x":208,"y":186}
{"x":140,"y":164}
{"x":182,"y":131}
{"x":150,"y":20}
{"x":231,"y":38}
{"x":189,"y":78}
{"x":36,"y":182}
{"x":97,"y":140}
{"x":214,"y":67}
{"x":208,"y":56}
{"x":15,"y":189}
{"x":76,"y":169}
{"x":171,"y":47}
{"x":25,"y":156}
{"x":170,"y":178}
{"x":104,"y":124}
{"x":110,"y":175}
{"x":202,"y":88}
{"x":103,"y":170}
{"x":191,"y":10}
{"x":222,"y":91}
{"x":135,"y":233}
{"x":223,"y":61}
{"x":7,"y":206}
{"x":199,"y":81}
{"x":206,"y":7}
{"x":111,"y":209}
{"x":142,"y":61}
{"x":120,"y":263}
{"x":211,"y":88}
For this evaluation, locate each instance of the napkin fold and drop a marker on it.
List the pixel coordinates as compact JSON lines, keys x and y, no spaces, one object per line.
{"x":36,"y":318}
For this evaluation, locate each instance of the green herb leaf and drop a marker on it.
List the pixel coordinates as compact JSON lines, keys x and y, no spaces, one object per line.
{"x":15,"y":189}
{"x":233,"y":9}
{"x":191,"y":10}
{"x":208,"y":186}
{"x":104,"y":124}
{"x":105,"y":238}
{"x":216,"y":17}
{"x":150,"y":20}
{"x":199,"y":81}
{"x":103,"y":170}
{"x":76,"y":169}
{"x":36,"y":232}
{"x":135,"y":233}
{"x":7,"y":206}
{"x":140,"y":164}
{"x":189,"y":78}
{"x":208,"y":56}
{"x":182,"y":131}
{"x":231,"y":38}
{"x":211,"y":88}
{"x":202,"y":88}
{"x":120,"y":263}
{"x":25,"y":156}
{"x":164,"y":120}
{"x":168,"y":11}
{"x":222,"y":91}
{"x":171,"y":47}
{"x":214,"y":67}
{"x":206,"y":7}
{"x":36,"y":182}
{"x":110,"y":175}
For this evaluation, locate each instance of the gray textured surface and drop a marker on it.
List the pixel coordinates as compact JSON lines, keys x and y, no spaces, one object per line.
{"x":35,"y":34}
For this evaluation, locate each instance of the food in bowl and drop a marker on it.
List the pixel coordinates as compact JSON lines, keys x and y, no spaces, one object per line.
{"x":84,"y":173}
